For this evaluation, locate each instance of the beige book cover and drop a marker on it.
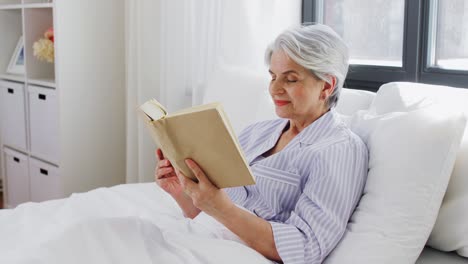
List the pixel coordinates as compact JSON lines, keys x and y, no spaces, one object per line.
{"x":202,"y":133}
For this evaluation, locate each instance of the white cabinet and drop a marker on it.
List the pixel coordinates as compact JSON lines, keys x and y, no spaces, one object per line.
{"x":16,"y":177}
{"x":45,"y":181}
{"x":67,"y":117}
{"x":13,"y":114}
{"x":43,"y":112}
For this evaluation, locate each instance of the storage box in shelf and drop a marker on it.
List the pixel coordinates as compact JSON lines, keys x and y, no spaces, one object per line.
{"x":13,"y":115}
{"x":43,"y":123}
{"x":45,"y":181}
{"x":17,"y":179}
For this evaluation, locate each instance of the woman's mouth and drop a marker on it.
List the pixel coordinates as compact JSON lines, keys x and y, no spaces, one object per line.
{"x":281,"y":102}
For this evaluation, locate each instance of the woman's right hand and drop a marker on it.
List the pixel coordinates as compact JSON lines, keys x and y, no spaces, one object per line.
{"x":166,"y":177}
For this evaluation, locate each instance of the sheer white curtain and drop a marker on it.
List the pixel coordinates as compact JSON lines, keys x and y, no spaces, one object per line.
{"x":174,"y":47}
{"x":143,"y":66}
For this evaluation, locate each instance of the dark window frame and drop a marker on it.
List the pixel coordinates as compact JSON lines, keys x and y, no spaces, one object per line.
{"x":414,"y":60}
{"x":435,"y":75}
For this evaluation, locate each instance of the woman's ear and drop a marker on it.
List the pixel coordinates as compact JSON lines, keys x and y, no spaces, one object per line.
{"x":328,"y":88}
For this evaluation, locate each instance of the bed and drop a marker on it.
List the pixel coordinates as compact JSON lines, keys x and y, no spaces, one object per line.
{"x":125,"y":224}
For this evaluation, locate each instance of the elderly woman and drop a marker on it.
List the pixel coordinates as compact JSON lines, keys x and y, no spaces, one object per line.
{"x":310,"y":168}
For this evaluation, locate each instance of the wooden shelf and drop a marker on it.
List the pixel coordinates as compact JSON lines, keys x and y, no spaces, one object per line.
{"x":20,"y":6}
{"x":39,"y":5}
{"x":20,"y":78}
{"x":43,"y":82}
{"x":11,"y":7}
{"x":12,"y":77}
{"x":89,"y":71}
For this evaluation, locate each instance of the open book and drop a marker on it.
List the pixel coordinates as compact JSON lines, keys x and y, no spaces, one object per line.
{"x":202,"y":133}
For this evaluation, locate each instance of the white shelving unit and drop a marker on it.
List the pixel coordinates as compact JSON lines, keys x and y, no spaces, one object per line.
{"x":62,"y":123}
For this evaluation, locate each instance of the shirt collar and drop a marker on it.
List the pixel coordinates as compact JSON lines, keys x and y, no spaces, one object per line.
{"x":269,"y":141}
{"x":320,"y":128}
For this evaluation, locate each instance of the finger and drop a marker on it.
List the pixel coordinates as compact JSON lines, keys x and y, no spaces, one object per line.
{"x":163,"y":172}
{"x":187,"y":184}
{"x":164,"y":163}
{"x":160,"y":154}
{"x":197,"y":171}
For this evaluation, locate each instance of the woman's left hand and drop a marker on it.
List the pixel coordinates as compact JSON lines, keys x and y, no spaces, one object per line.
{"x":253,"y":230}
{"x":205,"y":195}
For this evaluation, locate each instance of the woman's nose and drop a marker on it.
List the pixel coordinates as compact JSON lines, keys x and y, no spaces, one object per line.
{"x":276,"y":88}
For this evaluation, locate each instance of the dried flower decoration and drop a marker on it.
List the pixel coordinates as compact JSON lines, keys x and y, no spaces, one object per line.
{"x":44,"y":47}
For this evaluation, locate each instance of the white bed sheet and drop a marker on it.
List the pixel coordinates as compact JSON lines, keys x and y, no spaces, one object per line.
{"x":132,"y":223}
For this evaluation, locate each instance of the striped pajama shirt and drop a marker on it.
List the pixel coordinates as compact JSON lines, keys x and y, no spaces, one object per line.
{"x":308,"y":190}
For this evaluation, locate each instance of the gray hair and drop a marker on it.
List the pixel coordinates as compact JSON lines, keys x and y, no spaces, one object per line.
{"x":317,"y":48}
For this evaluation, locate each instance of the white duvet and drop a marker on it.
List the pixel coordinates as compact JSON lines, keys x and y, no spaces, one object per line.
{"x":132,"y":223}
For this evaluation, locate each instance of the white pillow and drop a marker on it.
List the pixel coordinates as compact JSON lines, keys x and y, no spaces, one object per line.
{"x":450,"y":232}
{"x":239,"y":90}
{"x":352,"y":100}
{"x":411,"y":155}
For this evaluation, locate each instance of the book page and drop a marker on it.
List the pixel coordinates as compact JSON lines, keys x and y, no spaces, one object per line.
{"x":197,"y":108}
{"x":154,"y":110}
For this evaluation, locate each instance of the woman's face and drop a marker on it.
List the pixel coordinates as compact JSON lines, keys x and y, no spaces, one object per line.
{"x":296,"y":92}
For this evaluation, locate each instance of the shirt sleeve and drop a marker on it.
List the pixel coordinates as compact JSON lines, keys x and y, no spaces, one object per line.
{"x":334,"y":185}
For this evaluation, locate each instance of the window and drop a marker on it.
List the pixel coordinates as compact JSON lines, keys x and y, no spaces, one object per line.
{"x":373,"y":39}
{"x":399,"y":40}
{"x":448,"y":35}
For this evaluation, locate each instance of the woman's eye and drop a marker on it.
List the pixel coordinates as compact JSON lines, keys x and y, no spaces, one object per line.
{"x":291,"y":81}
